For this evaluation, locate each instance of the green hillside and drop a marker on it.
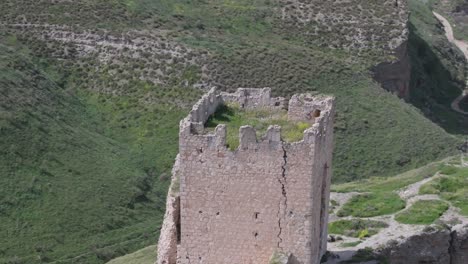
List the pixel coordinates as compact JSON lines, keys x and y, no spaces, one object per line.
{"x":74,"y":188}
{"x":364,"y":213}
{"x":438,"y":70}
{"x":143,"y":256}
{"x":457,"y":13}
{"x":92,"y":93}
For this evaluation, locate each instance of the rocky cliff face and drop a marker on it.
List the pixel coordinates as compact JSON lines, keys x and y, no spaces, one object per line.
{"x":459,"y":246}
{"x":433,"y":246}
{"x":394,"y":76}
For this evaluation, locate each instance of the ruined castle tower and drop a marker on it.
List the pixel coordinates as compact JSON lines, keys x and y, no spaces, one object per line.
{"x":266,"y":199}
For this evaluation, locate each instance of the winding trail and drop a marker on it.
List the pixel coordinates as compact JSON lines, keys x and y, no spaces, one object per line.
{"x":395,"y":231}
{"x":463,"y":46}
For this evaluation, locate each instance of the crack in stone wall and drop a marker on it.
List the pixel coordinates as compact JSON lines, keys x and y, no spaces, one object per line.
{"x":284,"y":201}
{"x":323,"y":204}
{"x":232,"y":210}
{"x":451,"y":249}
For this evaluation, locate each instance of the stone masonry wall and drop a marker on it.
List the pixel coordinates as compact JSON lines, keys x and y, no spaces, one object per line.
{"x":266,"y":197}
{"x":252,"y":98}
{"x":168,"y":239}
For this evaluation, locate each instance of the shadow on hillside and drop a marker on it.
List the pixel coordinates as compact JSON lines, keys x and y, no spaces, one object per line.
{"x":432,"y":87}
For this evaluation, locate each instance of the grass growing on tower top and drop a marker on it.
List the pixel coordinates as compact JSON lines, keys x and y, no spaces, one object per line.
{"x":234,"y":117}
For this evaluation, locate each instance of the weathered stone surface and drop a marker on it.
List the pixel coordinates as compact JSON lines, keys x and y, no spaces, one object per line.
{"x":267,"y":196}
{"x":431,"y":247}
{"x":459,"y":245}
{"x":254,"y":98}
{"x":438,"y":246}
{"x":168,"y":238}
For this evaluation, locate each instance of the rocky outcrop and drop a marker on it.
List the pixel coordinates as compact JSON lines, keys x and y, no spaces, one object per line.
{"x":437,"y":245}
{"x":394,"y":76}
{"x":459,"y":245}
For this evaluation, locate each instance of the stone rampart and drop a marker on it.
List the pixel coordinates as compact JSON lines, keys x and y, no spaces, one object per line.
{"x":266,"y":197}
{"x":245,"y":97}
{"x":254,"y":98}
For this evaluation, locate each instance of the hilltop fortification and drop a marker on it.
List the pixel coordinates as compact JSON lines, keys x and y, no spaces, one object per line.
{"x":266,"y":199}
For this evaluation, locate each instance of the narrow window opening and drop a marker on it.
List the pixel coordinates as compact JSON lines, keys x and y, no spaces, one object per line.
{"x":177,"y":218}
{"x":178,"y":227}
{"x":256,"y":215}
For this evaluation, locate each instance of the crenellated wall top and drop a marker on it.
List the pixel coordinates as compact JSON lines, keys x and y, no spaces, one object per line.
{"x":314,"y":109}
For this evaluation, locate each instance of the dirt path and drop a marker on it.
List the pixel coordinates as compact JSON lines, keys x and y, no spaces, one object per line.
{"x":463,"y":46}
{"x":456,"y":103}
{"x":413,"y":189}
{"x":395,"y":231}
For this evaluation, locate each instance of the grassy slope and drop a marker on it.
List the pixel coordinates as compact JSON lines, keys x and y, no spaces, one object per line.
{"x":249,"y":47}
{"x":143,"y":256}
{"x":74,"y":185}
{"x":90,"y":159}
{"x":355,"y":227}
{"x":379,"y":196}
{"x":438,"y":69}
{"x":422,"y":212}
{"x":451,"y":186}
{"x":455,"y":10}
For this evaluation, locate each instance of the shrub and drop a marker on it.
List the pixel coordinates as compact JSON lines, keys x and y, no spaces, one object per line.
{"x":372,"y":204}
{"x":356,"y":227}
{"x":422,"y":212}
{"x":448,"y":170}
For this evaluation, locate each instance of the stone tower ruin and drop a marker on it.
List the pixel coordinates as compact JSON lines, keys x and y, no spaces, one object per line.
{"x":267,"y":199}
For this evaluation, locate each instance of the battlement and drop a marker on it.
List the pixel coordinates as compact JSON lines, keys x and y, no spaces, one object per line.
{"x":314,"y":110}
{"x":267,"y":196}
